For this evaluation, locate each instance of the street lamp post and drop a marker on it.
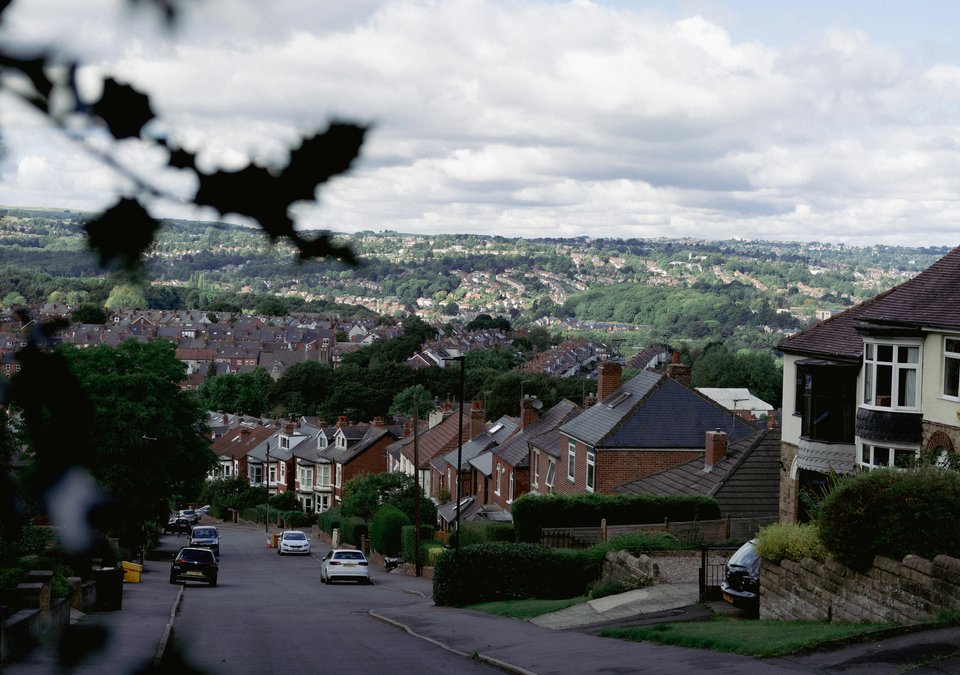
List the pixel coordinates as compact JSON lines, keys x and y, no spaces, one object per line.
{"x":266,"y":479}
{"x":461,"y":359}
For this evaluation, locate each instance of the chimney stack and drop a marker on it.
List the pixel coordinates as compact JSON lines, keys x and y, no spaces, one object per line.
{"x":679,"y":371}
{"x":341,"y":420}
{"x":529,"y":410}
{"x":715,"y":448}
{"x":609,"y":379}
{"x":288,"y":428}
{"x":478,"y":420}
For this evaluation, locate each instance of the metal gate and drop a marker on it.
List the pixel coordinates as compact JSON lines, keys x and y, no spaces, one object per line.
{"x":713,"y":568}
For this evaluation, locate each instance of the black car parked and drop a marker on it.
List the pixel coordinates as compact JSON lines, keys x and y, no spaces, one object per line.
{"x":194,"y":564}
{"x":741,"y":586}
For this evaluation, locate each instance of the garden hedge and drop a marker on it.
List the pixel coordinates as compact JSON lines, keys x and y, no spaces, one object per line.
{"x":531,"y":512}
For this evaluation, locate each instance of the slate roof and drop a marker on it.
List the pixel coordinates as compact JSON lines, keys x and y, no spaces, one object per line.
{"x":239,"y":441}
{"x":515,"y":451}
{"x":746,"y":482}
{"x":372,"y":435}
{"x":931,"y":299}
{"x":495,"y":434}
{"x":653,"y":411}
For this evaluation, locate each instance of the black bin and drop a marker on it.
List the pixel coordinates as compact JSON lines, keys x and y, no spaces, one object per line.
{"x":109,"y":582}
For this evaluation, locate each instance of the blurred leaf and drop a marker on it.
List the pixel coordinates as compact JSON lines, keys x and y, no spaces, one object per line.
{"x":123,"y":108}
{"x":254,"y":191}
{"x":181,"y":159}
{"x":122,"y":234}
{"x":33,"y":69}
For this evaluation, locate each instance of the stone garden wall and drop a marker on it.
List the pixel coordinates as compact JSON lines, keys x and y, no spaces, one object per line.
{"x":907,"y":591}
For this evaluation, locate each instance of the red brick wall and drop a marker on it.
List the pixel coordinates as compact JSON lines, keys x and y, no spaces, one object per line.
{"x":616,"y":467}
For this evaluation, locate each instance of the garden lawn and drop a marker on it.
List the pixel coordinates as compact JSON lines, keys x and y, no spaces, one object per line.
{"x":754,"y":638}
{"x":525,"y":609}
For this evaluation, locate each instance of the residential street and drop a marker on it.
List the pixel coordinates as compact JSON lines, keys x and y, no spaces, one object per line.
{"x":270,"y":613}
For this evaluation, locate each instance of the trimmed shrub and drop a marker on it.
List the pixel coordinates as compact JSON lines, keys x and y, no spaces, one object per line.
{"x":894,"y":514}
{"x":478,"y":532}
{"x":386,"y":529}
{"x":409,"y":540}
{"x":352,"y":529}
{"x":506,"y":571}
{"x":329,"y":520}
{"x":531,"y":513}
{"x":797,"y":542}
{"x":285,"y":501}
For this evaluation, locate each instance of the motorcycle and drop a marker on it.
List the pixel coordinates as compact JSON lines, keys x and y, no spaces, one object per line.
{"x":391,"y":562}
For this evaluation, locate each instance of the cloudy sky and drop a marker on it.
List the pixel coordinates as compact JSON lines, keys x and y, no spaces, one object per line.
{"x":822,"y":120}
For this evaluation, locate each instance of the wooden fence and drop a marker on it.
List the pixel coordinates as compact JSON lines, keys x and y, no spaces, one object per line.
{"x":693,"y":532}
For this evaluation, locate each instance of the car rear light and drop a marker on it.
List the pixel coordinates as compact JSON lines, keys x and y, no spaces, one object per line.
{"x":334,"y":562}
{"x":364,"y":563}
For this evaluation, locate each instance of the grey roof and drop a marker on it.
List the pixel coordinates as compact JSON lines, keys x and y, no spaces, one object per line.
{"x":483,"y":463}
{"x":826,"y":457}
{"x":654,"y":411}
{"x":517,"y":448}
{"x":746,"y":482}
{"x":495,"y":434}
{"x":345,"y":455}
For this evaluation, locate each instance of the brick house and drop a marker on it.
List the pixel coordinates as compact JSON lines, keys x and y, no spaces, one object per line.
{"x":875,"y":385}
{"x":515,"y":461}
{"x":650,"y":424}
{"x":443,"y":473}
{"x":366,"y":455}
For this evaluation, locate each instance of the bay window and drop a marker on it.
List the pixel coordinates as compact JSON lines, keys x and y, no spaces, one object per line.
{"x":874,"y":456}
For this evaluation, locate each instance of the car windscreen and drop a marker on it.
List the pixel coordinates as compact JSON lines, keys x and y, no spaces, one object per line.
{"x":294,"y":535}
{"x":194,"y":555}
{"x":746,"y":557}
{"x":205,"y":533}
{"x":348,"y":555}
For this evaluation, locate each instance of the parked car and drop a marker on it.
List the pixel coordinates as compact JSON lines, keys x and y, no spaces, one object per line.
{"x":177,"y":525}
{"x":293,"y":541}
{"x":205,"y":536}
{"x":741,"y":584}
{"x":344,"y":563}
{"x":194,"y":564}
{"x":190,"y":515}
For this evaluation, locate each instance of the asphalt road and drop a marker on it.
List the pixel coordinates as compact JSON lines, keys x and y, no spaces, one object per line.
{"x":271,"y":614}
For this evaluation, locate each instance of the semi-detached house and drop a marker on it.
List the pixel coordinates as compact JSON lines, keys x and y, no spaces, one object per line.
{"x":875,"y":385}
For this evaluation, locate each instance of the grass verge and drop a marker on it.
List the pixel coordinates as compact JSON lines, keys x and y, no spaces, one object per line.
{"x":762,"y":639}
{"x":525,"y":609}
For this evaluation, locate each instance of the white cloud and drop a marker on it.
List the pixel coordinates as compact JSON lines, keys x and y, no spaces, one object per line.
{"x":532,"y":118}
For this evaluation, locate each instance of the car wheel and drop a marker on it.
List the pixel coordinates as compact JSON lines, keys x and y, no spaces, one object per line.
{"x":173,"y":579}
{"x":278,"y":552}
{"x":213,"y":581}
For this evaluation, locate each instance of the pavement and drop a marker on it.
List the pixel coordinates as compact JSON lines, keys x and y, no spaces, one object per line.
{"x":129,"y":640}
{"x":132,"y":640}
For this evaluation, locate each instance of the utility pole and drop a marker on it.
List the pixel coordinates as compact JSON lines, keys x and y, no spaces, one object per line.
{"x":416,"y":484}
{"x":266,"y":479}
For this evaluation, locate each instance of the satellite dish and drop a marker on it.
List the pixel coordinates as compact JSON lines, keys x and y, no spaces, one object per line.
{"x":537,"y":404}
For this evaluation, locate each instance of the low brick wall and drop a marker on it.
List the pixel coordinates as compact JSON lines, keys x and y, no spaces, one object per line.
{"x":890,"y":591}
{"x":19,"y":633}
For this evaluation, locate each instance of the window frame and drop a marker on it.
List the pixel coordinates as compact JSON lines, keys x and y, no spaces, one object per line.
{"x":306,"y":472}
{"x":324,"y":472}
{"x":338,"y":475}
{"x":591,"y":478}
{"x":536,"y":467}
{"x":954,"y":356}
{"x":551,"y":473}
{"x":872,"y":365}
{"x":496,"y":491}
{"x":893,"y":450}
{"x":572,"y":461}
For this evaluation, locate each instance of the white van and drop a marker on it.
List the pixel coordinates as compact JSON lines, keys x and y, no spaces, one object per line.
{"x":205,"y":536}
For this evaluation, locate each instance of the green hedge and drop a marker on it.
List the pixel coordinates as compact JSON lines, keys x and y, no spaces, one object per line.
{"x":478,"y":532}
{"x":386,"y":529}
{"x":507,"y":571}
{"x":892,"y":513}
{"x":352,"y":529}
{"x":408,"y":539}
{"x":531,"y":513}
{"x":329,"y":520}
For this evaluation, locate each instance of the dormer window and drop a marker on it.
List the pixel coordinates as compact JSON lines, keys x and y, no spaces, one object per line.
{"x":891,"y":375}
{"x":284,"y":441}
